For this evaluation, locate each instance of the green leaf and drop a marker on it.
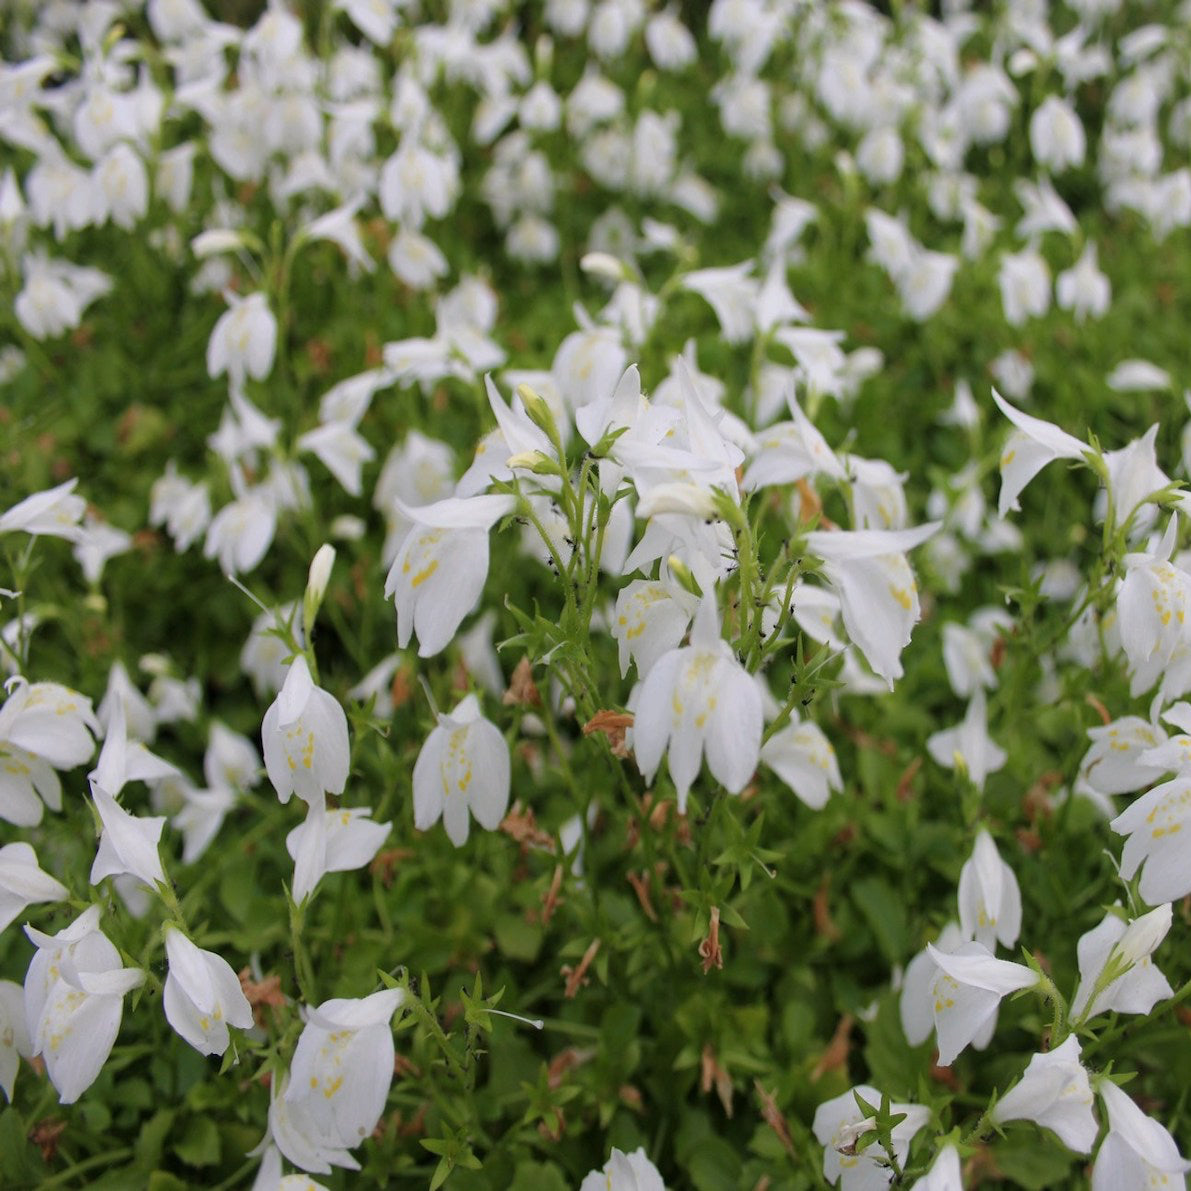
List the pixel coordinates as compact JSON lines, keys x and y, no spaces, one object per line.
{"x":18,"y":1158}
{"x":885,"y":914}
{"x":1031,"y":1158}
{"x":152,"y":1137}
{"x":199,"y":1145}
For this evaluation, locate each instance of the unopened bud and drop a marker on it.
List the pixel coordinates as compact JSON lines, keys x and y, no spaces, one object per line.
{"x":316,"y":583}
{"x":536,"y":462}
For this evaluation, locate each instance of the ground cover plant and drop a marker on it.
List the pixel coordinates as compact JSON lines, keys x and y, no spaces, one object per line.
{"x":595,"y":594}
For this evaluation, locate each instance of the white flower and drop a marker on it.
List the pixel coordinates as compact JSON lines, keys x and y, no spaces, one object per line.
{"x":1029,"y":450}
{"x":1114,"y":764}
{"x":969,"y":744}
{"x":1055,"y":1093}
{"x":202,"y":995}
{"x":342,"y":450}
{"x":625,"y":1172}
{"x":343,"y":1065}
{"x":876,"y":588}
{"x":944,"y":1175}
{"x":1115,"y":946}
{"x":305,"y":739}
{"x":332,"y":841}
{"x":967,"y":992}
{"x":802,"y":756}
{"x":74,"y":999}
{"x":244,"y":339}
{"x":14,"y":1034}
{"x":650,"y":619}
{"x":1056,"y":135}
{"x":1025,"y":285}
{"x":55,"y":512}
{"x":989,"y":899}
{"x":22,"y":882}
{"x":1084,"y":289}
{"x":1138,"y":1153}
{"x":699,"y":698}
{"x":128,"y":844}
{"x":463,"y":767}
{"x":241,"y":532}
{"x":439,"y":572}
{"x":1158,"y":825}
{"x":840,"y":1123}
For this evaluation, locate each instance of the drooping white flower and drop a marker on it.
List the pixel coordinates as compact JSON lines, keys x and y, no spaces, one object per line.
{"x":989,"y":898}
{"x":1125,"y":948}
{"x":462,"y":770}
{"x":202,"y":996}
{"x":128,"y":843}
{"x":802,"y":756}
{"x":343,"y":1065}
{"x":74,"y":999}
{"x":1114,"y":764}
{"x":22,"y":882}
{"x":1138,"y":1152}
{"x":1025,"y":286}
{"x":14,"y":1034}
{"x":55,"y":512}
{"x":840,"y":1123}
{"x":698,"y":699}
{"x":878,"y":595}
{"x":243,"y":340}
{"x":967,"y":992}
{"x":625,"y":1172}
{"x":1083,"y":289}
{"x":332,"y":841}
{"x":1055,"y":1093}
{"x":1035,"y":444}
{"x":305,"y":739}
{"x":944,"y":1175}
{"x":1056,"y":135}
{"x":439,"y":572}
{"x":1158,"y":825}
{"x":650,"y":619}
{"x":969,"y":743}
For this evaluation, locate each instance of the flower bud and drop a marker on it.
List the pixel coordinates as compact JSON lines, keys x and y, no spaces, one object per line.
{"x":316,"y":583}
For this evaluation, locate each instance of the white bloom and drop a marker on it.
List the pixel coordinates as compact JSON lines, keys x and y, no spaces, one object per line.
{"x":305,"y":739}
{"x":342,"y":450}
{"x":944,"y":1175}
{"x":1138,"y":1153}
{"x":343,"y":1065}
{"x":878,"y":596}
{"x":22,"y":882}
{"x":244,"y":339}
{"x":650,"y":619}
{"x":802,"y":756}
{"x":128,"y":844}
{"x":989,"y":898}
{"x":840,"y":1123}
{"x":1125,"y":948}
{"x":439,"y":572}
{"x":1025,"y":285}
{"x":1055,"y":1093}
{"x":969,"y":744}
{"x":15,"y":1043}
{"x":463,"y":767}
{"x":967,"y":992}
{"x":241,"y":532}
{"x":1056,"y":135}
{"x":694,"y":699}
{"x":625,"y":1172}
{"x":74,"y":999}
{"x":1084,"y":289}
{"x":1034,"y":444}
{"x":1114,"y":765}
{"x":56,"y":512}
{"x":332,"y":841}
{"x":202,"y":995}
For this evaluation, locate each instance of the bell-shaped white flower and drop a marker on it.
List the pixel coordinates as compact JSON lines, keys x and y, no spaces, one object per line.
{"x":462,"y":770}
{"x":1025,"y":285}
{"x":650,"y":619}
{"x":840,"y":1123}
{"x":1055,"y":1093}
{"x":989,"y":898}
{"x":1035,"y":444}
{"x":969,"y":744}
{"x":967,"y":992}
{"x":1114,"y":764}
{"x":915,"y":1001}
{"x":343,"y":1065}
{"x":244,"y":339}
{"x":1056,"y":135}
{"x":625,"y":1172}
{"x":1083,"y":289}
{"x":699,"y":699}
{"x":802,"y":756}
{"x":298,"y":1130}
{"x":1115,"y":965}
{"x":128,"y":843}
{"x":56,"y":512}
{"x":878,"y":595}
{"x":439,"y":572}
{"x":14,"y":1034}
{"x":305,"y":739}
{"x":1158,"y":825}
{"x":944,"y":1175}
{"x":74,"y":1000}
{"x":22,"y":882}
{"x":1138,"y":1153}
{"x":203,"y":996}
{"x":332,"y":841}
